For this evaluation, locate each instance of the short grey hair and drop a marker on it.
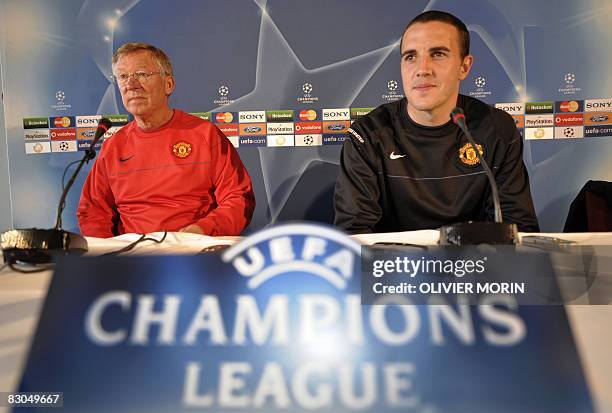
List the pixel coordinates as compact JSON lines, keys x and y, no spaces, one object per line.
{"x":161,"y":58}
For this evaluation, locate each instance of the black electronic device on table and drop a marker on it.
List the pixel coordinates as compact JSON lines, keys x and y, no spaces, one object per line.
{"x":40,"y":246}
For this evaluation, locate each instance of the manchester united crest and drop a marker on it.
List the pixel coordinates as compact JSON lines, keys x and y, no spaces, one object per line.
{"x":467,"y":154}
{"x":181,"y":149}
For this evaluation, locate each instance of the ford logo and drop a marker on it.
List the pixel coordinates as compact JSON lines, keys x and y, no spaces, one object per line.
{"x":252,"y":129}
{"x":335,"y":127}
{"x":89,"y":134}
{"x":599,"y":118}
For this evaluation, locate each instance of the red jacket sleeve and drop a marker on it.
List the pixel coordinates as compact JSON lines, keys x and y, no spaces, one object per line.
{"x":97,"y":211}
{"x":232,"y":189}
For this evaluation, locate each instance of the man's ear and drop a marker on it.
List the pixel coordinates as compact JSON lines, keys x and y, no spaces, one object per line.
{"x":466,"y":65}
{"x":169,"y":84}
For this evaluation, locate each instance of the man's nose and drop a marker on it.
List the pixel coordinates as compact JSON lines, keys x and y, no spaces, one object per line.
{"x":424,"y":66}
{"x":132,"y":83}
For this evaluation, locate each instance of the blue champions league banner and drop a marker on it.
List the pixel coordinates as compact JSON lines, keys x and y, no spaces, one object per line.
{"x":283,"y":79}
{"x":275,"y":323}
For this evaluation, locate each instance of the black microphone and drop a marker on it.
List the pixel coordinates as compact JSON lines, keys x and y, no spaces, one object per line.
{"x":103,"y":125}
{"x":39,"y":246}
{"x":468,"y":233}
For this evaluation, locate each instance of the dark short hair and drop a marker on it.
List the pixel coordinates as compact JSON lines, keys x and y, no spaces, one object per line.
{"x":444,"y":17}
{"x":161,"y":58}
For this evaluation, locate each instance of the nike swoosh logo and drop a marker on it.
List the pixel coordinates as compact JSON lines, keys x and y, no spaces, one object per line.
{"x":394,"y":156}
{"x":126,"y":159}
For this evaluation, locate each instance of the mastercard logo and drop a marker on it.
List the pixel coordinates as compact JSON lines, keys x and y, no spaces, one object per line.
{"x":224,"y":117}
{"x":308,"y":114}
{"x":571,"y":106}
{"x":62,"y":122}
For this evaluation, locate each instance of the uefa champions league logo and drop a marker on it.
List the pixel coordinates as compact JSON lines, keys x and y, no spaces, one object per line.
{"x":295,"y":248}
{"x":391,"y":94}
{"x":60,"y":101}
{"x":479,"y":92}
{"x":569,"y":79}
{"x":307,"y":97}
{"x":223,"y":98}
{"x":307,"y":88}
{"x":223,"y":90}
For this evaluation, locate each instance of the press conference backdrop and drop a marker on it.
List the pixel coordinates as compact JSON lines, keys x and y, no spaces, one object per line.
{"x":283,"y":79}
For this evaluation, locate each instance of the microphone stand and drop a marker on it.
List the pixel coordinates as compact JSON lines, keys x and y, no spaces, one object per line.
{"x":40,"y":246}
{"x":470,"y":233}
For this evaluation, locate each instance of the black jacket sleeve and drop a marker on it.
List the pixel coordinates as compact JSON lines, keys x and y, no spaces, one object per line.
{"x":513,"y":181}
{"x":357,"y":189}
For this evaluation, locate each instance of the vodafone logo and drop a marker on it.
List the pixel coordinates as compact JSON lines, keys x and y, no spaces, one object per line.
{"x":569,"y":119}
{"x":308,"y":115}
{"x":308,"y":127}
{"x":63,"y":134}
{"x":229,"y":130}
{"x":61,"y":122}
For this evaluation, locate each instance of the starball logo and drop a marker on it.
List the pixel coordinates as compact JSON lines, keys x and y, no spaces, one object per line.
{"x":308,"y":96}
{"x":318,"y":251}
{"x":60,"y":101}
{"x":223,"y":98}
{"x":569,"y":87}
{"x":391,"y":93}
{"x":480,"y":92}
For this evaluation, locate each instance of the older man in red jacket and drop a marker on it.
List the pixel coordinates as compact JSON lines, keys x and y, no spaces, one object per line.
{"x":166,"y":170}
